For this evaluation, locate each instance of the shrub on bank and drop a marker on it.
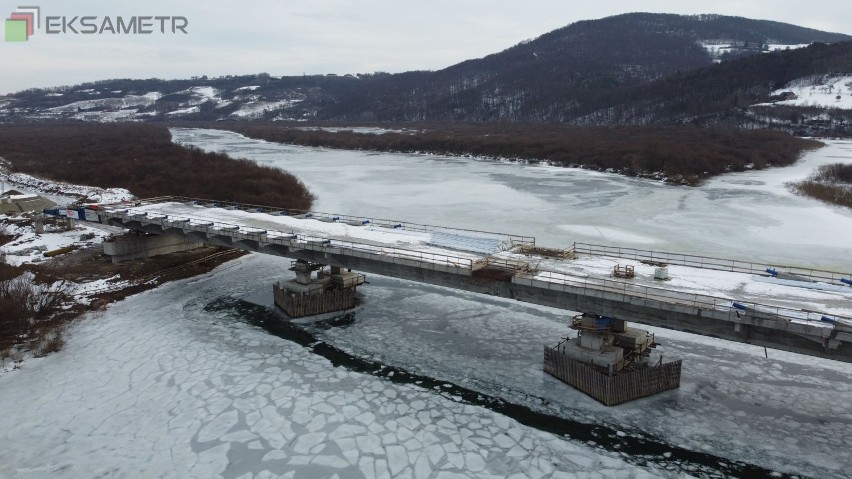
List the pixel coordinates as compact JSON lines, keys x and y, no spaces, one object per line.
{"x":829,"y":183}
{"x":28,"y":311}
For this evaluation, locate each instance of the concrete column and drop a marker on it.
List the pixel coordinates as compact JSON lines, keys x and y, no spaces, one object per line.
{"x":39,"y":224}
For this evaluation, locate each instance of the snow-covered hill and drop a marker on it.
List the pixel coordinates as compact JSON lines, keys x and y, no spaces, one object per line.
{"x":627,"y":69}
{"x":170,"y":100}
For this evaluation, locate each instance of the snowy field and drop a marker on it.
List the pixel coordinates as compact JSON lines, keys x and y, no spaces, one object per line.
{"x":821,"y":91}
{"x":716,"y":48}
{"x":256,"y":109}
{"x":59,"y":192}
{"x":182,"y":381}
{"x":29,"y":246}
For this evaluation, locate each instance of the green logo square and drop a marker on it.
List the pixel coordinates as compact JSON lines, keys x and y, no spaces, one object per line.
{"x":16,"y":30}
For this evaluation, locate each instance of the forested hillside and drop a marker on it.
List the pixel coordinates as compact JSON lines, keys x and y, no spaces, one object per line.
{"x":638,"y":68}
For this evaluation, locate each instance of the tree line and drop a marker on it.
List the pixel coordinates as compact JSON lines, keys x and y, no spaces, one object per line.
{"x":143,"y":159}
{"x":684,"y":154}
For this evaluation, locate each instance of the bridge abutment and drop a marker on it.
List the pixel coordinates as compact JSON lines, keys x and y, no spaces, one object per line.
{"x":131,"y":246}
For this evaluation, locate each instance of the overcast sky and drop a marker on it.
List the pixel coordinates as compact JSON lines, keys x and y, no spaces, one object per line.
{"x":284,"y":37}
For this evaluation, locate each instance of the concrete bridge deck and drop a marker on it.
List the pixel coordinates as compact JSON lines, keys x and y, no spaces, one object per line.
{"x":507,"y":266}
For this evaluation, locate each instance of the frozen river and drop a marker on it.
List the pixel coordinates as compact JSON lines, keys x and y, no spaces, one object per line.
{"x":189,"y":381}
{"x":748,"y":216}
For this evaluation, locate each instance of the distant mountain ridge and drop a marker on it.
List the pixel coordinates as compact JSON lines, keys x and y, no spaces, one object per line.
{"x":589,"y":72}
{"x":546,"y":79}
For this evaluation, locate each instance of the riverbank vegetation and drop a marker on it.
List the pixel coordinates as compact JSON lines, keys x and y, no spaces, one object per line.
{"x":680,"y":155}
{"x":829,"y":183}
{"x":39,"y":301}
{"x":31,"y":313}
{"x":143,"y":159}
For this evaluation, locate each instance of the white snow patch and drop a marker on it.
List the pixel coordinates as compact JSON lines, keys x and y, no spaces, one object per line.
{"x":478,"y":243}
{"x":776,"y":46}
{"x":106,"y":116}
{"x":28,"y":246}
{"x":110,"y":103}
{"x":369,"y":130}
{"x":821,"y":91}
{"x":94,"y":193}
{"x":716,"y":48}
{"x":257,"y":109}
{"x":185,"y":111}
{"x":205,"y":91}
{"x":200,"y":94}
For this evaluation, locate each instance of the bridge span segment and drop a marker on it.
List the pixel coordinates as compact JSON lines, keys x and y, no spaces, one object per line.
{"x":508,"y":266}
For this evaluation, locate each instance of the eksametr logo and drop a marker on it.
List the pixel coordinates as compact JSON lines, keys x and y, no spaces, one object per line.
{"x":25,"y":21}
{"x":22,"y":23}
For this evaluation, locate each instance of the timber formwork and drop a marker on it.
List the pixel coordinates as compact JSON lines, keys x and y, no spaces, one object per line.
{"x":613,"y":389}
{"x":298,"y":305}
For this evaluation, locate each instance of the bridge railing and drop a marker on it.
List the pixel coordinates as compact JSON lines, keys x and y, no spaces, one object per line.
{"x":696,"y":261}
{"x":514,"y":240}
{"x":708,"y":302}
{"x":293,"y":239}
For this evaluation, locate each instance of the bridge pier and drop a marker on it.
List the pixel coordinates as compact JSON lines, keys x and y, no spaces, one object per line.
{"x":330,"y":291}
{"x":609,"y":361}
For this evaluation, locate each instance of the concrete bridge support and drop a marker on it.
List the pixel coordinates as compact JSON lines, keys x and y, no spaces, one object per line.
{"x":330,"y":291}
{"x":130,"y":247}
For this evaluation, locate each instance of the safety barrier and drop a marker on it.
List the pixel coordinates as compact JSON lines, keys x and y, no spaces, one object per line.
{"x":695,"y":261}
{"x":548,"y":280}
{"x":513,"y":240}
{"x":294,"y":240}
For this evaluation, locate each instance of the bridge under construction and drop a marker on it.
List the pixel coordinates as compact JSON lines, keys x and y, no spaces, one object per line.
{"x":789,"y":308}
